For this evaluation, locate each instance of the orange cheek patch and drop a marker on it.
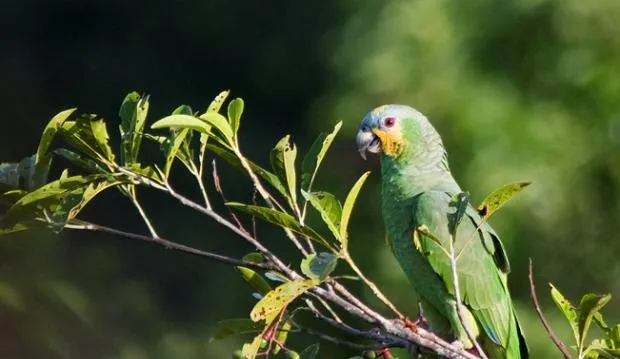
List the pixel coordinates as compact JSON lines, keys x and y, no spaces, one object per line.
{"x":391,"y":144}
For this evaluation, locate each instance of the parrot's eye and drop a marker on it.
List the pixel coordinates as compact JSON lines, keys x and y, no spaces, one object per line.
{"x":389,"y":121}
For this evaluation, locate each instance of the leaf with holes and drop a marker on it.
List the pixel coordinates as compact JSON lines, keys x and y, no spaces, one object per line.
{"x":328,"y":207}
{"x":319,"y":266}
{"x":133,"y":113}
{"x":496,"y":199}
{"x":283,"y":157}
{"x":215,"y":106}
{"x":349,"y":202}
{"x":567,"y":309}
{"x":89,"y":135}
{"x":43,"y":159}
{"x":84,"y":162}
{"x":249,"y":350}
{"x":314,"y":157}
{"x":278,"y":298}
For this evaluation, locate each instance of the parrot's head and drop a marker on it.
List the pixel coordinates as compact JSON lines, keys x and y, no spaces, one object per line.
{"x":393,"y":129}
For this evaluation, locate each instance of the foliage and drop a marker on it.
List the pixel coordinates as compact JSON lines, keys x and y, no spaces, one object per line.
{"x":580,"y":319}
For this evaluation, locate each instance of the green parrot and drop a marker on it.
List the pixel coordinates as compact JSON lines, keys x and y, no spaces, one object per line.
{"x":416,"y":189}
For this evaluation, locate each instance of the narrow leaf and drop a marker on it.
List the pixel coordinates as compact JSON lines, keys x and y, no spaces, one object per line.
{"x":133,"y":113}
{"x":328,"y":207}
{"x":237,"y":326}
{"x":50,"y":132}
{"x":234,"y":161}
{"x":79,"y":160}
{"x":569,"y":311}
{"x":314,"y":157}
{"x":215,"y":106}
{"x":281,"y":335}
{"x":496,"y":199}
{"x":182,"y":121}
{"x":277,"y":299}
{"x":281,"y":219}
{"x":319,"y":267}
{"x":220,"y":123}
{"x":590,"y":305}
{"x":249,"y":350}
{"x":459,"y":202}
{"x":254,"y":279}
{"x":283,"y":158}
{"x":348,"y":208}
{"x":235,"y":109}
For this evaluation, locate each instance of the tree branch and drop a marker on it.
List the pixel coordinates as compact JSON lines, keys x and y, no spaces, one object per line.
{"x":82,"y":225}
{"x":558,"y":343}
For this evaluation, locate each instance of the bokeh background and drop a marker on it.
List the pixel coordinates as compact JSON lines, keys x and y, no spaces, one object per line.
{"x":519,"y":90}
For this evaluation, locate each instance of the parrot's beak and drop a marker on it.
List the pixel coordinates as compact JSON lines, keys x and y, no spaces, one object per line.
{"x":367,"y":141}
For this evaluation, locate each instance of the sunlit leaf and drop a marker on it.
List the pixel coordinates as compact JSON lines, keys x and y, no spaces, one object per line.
{"x":496,"y":199}
{"x":234,"y":161}
{"x":567,"y":309}
{"x":237,"y":326}
{"x":220,"y":123}
{"x":172,"y":146}
{"x":254,"y":279}
{"x":328,"y":207}
{"x":281,"y":219}
{"x":313,"y":158}
{"x":281,"y":335}
{"x":347,"y":208}
{"x":319,"y":266}
{"x":590,"y":305}
{"x":133,"y":113}
{"x":249,"y":350}
{"x":215,"y":106}
{"x":182,"y":121}
{"x":310,"y":352}
{"x":283,"y":157}
{"x":43,"y":159}
{"x":235,"y":109}
{"x":278,"y":298}
{"x":459,"y":202}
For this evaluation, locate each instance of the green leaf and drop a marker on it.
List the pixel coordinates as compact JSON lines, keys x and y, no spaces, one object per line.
{"x":254,"y":279}
{"x":88,"y":134}
{"x":283,"y":158}
{"x":249,"y":350}
{"x":281,"y":335}
{"x":43,"y":160}
{"x":133,"y":113}
{"x":281,"y":219}
{"x":220,"y":123}
{"x":79,"y":160}
{"x":319,"y":267}
{"x":310,"y":352}
{"x":234,"y":161}
{"x":496,"y":199}
{"x":569,"y":311}
{"x":459,"y":202}
{"x":235,"y":109}
{"x":229,"y":327}
{"x":171,"y":147}
{"x":215,"y":106}
{"x":328,"y":207}
{"x":277,"y":299}
{"x":590,"y":305}
{"x":313,"y":158}
{"x":50,"y":132}
{"x":349,"y":202}
{"x":182,"y":121}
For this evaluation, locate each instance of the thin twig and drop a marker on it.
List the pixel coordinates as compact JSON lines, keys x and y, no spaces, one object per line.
{"x":82,"y":225}
{"x":146,"y":220}
{"x":198,"y":175}
{"x":377,"y":292}
{"x":457,"y":295}
{"x":558,"y":343}
{"x":218,"y":189}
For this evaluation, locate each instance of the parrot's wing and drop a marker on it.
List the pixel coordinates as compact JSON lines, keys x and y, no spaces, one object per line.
{"x":481,"y":264}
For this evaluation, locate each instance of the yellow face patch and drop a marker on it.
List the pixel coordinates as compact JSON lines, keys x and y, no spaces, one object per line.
{"x":391,"y":144}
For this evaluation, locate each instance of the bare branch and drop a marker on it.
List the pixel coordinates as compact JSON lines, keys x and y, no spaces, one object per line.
{"x":558,"y":343}
{"x":82,"y":225}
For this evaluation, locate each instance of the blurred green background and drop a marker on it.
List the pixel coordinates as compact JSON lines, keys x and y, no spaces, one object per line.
{"x":519,"y":90}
